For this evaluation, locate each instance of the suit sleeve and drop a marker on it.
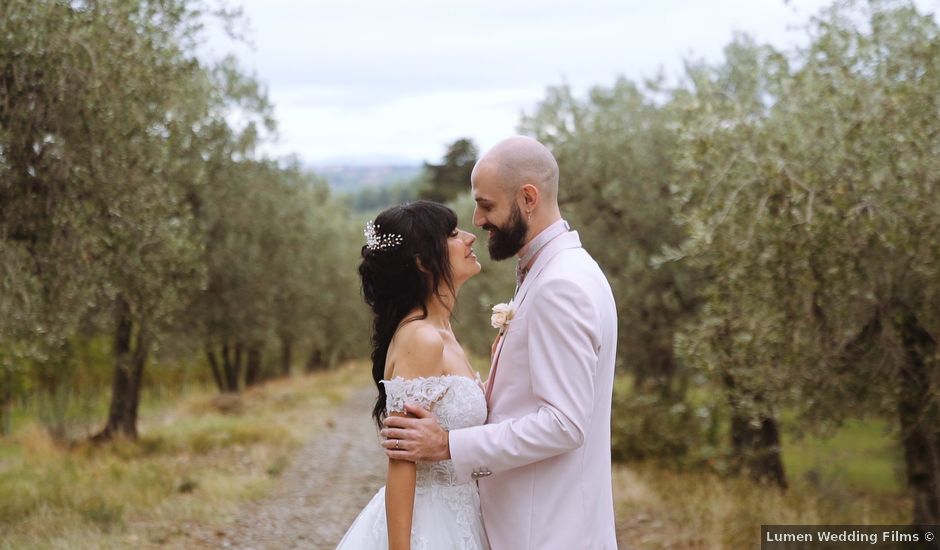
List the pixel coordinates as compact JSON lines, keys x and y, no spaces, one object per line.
{"x":564,"y":338}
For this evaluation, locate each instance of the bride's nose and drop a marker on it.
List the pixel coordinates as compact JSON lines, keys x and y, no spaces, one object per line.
{"x":469,"y":238}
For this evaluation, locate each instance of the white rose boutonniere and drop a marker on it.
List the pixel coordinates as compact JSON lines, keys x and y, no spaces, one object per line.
{"x":502,"y":314}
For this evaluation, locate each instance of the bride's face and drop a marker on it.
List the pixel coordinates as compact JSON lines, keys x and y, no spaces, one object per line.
{"x":463,"y":262}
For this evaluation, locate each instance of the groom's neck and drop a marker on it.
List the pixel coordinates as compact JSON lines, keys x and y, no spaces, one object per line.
{"x":535,"y":228}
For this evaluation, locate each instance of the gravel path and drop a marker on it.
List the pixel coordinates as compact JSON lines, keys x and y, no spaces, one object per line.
{"x":319,"y":495}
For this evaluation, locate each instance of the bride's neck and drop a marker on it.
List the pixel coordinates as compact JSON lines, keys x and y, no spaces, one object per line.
{"x":439,"y":310}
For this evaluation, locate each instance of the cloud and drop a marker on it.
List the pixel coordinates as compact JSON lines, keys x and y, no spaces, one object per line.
{"x":404,"y":77}
{"x":415,"y":126}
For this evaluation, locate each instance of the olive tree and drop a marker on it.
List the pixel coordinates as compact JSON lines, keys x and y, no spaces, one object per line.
{"x":812,"y":202}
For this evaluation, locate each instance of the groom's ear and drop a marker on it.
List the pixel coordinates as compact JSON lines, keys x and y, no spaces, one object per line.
{"x":530,"y":196}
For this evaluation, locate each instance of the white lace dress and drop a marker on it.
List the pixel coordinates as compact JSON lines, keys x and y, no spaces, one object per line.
{"x":446,"y":514}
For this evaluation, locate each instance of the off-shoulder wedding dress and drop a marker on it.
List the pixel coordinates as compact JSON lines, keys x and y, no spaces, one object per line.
{"x":446,"y":514}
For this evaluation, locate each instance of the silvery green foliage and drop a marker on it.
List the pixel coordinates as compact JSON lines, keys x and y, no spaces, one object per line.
{"x":281,"y":256}
{"x":115,"y":146}
{"x":616,"y":150}
{"x":812,"y":180}
{"x":802,"y":216}
{"x":811,"y":200}
{"x":96,"y":97}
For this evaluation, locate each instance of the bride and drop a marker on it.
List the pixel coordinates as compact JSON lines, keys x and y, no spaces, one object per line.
{"x":413,"y":264}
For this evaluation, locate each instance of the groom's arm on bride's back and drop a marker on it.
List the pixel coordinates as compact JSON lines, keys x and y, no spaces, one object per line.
{"x":564,"y":331}
{"x":421,"y":354}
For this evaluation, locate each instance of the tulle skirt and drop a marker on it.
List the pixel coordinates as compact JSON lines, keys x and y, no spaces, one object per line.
{"x":445,"y":517}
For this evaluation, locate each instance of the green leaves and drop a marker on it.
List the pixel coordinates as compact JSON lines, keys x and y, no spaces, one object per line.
{"x":826,"y":213}
{"x":770,"y":221}
{"x":617,"y":152}
{"x":128,"y":174}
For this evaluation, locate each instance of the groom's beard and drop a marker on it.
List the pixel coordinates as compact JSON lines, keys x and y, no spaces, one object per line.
{"x":505,"y":242}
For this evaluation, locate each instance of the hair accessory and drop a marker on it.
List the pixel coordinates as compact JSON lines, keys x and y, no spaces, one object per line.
{"x":377,"y":241}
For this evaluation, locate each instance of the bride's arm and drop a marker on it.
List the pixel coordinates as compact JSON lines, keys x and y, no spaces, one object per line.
{"x":399,"y":501}
{"x":421,"y":355}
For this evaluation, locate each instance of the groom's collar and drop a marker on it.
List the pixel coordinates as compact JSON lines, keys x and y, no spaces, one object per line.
{"x":566,"y":240}
{"x":532,"y":248}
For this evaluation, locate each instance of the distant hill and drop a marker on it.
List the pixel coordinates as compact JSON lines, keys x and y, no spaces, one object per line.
{"x":353,"y":178}
{"x":375,"y":159}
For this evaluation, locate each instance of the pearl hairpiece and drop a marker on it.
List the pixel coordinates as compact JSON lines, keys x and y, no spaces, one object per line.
{"x":377,"y":241}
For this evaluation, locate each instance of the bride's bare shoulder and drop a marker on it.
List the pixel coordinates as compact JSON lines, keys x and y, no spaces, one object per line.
{"x":419,"y":351}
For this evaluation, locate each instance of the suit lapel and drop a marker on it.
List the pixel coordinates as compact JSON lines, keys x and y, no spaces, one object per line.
{"x":562,"y":242}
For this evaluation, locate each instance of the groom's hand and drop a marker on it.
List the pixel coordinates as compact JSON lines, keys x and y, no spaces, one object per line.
{"x":418,"y":439}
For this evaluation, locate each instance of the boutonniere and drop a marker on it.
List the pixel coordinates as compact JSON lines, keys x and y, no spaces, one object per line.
{"x":502,"y":314}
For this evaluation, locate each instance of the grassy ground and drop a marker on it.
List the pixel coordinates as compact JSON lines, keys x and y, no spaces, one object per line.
{"x":849,"y":478}
{"x":195,"y":463}
{"x":201,"y":456}
{"x":862,"y":455}
{"x":852,"y":476}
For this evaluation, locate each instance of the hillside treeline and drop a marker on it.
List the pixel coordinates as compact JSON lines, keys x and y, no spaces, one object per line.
{"x":138,"y":220}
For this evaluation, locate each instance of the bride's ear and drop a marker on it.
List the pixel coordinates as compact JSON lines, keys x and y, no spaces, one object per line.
{"x":420,"y":265}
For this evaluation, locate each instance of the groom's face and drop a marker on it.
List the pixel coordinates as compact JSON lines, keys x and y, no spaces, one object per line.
{"x":497,"y":212}
{"x":505,"y":241}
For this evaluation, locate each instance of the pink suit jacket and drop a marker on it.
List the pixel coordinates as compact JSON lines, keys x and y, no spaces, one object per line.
{"x":542,"y":460}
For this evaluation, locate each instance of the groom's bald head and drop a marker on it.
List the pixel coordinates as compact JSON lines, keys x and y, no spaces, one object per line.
{"x":515,"y":188}
{"x":521,"y":160}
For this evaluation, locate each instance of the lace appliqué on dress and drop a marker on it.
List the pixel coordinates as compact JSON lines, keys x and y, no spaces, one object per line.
{"x":419,"y":391}
{"x":446,"y":514}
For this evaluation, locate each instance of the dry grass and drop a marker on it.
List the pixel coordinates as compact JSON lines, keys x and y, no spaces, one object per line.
{"x":200,"y":459}
{"x":659,"y":508}
{"x":194,"y":465}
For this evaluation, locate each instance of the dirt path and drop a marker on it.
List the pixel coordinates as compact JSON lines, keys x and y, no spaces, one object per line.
{"x":319,"y":495}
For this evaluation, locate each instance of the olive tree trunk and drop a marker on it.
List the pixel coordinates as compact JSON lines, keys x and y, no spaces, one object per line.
{"x":131,"y":349}
{"x":919,"y":416}
{"x":755,"y":441}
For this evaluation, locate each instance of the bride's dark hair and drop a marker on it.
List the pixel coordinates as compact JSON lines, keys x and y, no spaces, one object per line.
{"x":392,"y":283}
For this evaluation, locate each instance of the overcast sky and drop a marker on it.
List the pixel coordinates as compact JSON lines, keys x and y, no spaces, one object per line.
{"x":359,"y":79}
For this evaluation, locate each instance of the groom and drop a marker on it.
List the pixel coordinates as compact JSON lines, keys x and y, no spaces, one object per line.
{"x":542,"y":460}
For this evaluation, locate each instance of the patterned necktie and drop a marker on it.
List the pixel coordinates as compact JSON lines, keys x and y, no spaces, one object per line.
{"x":520,"y":277}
